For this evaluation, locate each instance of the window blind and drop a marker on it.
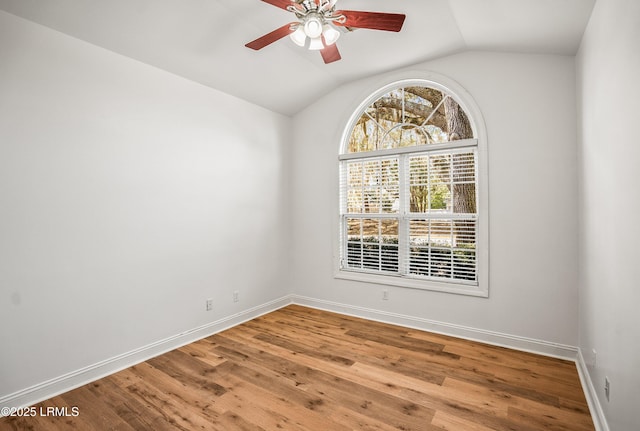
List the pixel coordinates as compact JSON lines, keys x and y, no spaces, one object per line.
{"x":412,"y":215}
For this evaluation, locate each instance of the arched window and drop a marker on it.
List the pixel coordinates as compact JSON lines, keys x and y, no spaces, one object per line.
{"x":409,"y":191}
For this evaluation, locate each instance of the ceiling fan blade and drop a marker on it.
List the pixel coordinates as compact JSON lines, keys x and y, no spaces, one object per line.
{"x":282,"y":4}
{"x":269,"y":38}
{"x":372,"y":20}
{"x":330,"y":54}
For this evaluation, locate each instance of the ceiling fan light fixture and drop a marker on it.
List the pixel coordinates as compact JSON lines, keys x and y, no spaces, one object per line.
{"x":313,"y":26}
{"x":298,"y":36}
{"x":316,"y":44}
{"x":331,"y":35}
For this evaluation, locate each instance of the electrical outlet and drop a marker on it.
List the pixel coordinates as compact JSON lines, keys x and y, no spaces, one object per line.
{"x":594,"y":357}
{"x":385,"y":295}
{"x":209,"y":304}
{"x":236,"y":296}
{"x":607,"y":388}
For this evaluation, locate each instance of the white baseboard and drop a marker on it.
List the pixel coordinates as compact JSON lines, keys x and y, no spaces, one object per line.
{"x":75,"y":379}
{"x":599,"y":419}
{"x":490,"y":337}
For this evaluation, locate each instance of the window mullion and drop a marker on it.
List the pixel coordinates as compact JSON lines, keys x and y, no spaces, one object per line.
{"x":452,"y":175}
{"x":403,"y":210}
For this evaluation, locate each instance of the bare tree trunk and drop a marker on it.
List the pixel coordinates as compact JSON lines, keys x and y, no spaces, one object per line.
{"x":463,"y":195}
{"x":458,"y":127}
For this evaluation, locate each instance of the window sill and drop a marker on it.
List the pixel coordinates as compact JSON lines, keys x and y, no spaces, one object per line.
{"x":412,"y":283}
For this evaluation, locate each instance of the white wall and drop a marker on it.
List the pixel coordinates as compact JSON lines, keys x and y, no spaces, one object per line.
{"x":127,"y":197}
{"x":528,"y":103}
{"x":609,"y":93}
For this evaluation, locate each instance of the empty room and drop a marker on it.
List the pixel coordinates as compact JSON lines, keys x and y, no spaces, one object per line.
{"x":319,"y":215}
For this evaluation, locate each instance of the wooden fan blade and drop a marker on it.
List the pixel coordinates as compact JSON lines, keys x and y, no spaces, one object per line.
{"x":330,"y":54}
{"x":372,"y":20}
{"x":282,"y":4}
{"x":269,"y":38}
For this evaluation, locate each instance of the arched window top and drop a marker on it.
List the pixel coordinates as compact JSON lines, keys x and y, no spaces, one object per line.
{"x":408,"y":114}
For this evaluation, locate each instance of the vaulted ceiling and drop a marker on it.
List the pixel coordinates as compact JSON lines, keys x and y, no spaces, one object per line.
{"x":203,"y":40}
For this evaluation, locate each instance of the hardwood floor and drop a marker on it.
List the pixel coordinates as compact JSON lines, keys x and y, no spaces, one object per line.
{"x":304,"y":369}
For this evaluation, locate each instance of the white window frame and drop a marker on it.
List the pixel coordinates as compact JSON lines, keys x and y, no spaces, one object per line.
{"x":479,"y":142}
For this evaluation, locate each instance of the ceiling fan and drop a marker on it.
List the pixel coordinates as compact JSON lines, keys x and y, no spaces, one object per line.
{"x":319,"y":25}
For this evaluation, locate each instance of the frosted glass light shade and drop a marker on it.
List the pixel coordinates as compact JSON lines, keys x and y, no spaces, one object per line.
{"x":316,"y":44}
{"x":330,"y":34}
{"x":313,"y":27}
{"x":299,"y":37}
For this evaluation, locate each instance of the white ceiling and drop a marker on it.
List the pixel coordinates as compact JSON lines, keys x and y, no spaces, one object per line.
{"x":203,"y":40}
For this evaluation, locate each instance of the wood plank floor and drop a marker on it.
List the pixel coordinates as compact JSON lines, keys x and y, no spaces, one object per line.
{"x":304,"y":369}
